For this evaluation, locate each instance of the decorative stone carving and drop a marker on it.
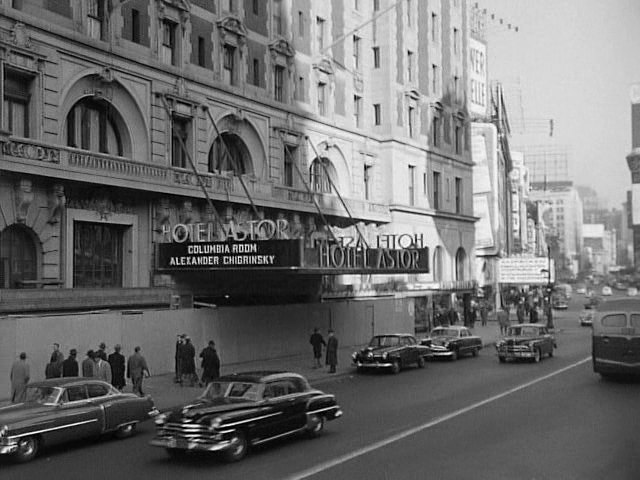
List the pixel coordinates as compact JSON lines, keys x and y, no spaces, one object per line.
{"x":324,"y":66}
{"x":232,"y":31}
{"x":56,"y":202}
{"x":23,"y":199}
{"x":186,"y":212}
{"x":282,"y":47}
{"x":20,"y":36}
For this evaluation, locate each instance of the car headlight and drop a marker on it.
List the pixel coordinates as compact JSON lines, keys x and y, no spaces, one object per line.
{"x":385,"y":355}
{"x":354,"y":355}
{"x":445,"y":344}
{"x":214,"y":423}
{"x":3,"y":430}
{"x":161,"y":419}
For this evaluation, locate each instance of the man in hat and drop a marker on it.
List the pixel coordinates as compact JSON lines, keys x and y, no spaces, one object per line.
{"x":102,"y":351}
{"x":70,"y":364}
{"x":210,"y":363}
{"x":116,"y":361}
{"x":19,"y":378}
{"x":54,"y":367}
{"x":178,"y":366}
{"x":88,"y":365}
{"x":332,"y":352}
{"x":102,"y":369}
{"x":136,"y":369}
{"x":188,"y":361}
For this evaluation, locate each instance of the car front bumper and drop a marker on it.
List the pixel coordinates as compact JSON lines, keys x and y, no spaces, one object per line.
{"x":509,"y":354}
{"x":191,"y":445}
{"x":373,"y":365}
{"x":440,"y":352}
{"x":8,"y":447}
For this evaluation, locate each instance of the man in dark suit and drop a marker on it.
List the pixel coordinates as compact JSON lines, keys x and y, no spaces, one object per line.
{"x":210,"y":363}
{"x":70,"y":364}
{"x":117,"y":362}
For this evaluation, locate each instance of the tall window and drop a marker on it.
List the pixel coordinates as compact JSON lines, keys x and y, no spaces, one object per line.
{"x":409,"y":66}
{"x":135,"y":26}
{"x":277,"y":17}
{"x":437,"y":187}
{"x":97,"y":255}
{"x":256,"y":72}
{"x":434,"y":79}
{"x":201,"y":50}
{"x":232,"y":156}
{"x":411,"y":121}
{"x":278,"y":82}
{"x":300,"y":89}
{"x":92,"y":124}
{"x":461,"y":261}
{"x":412,"y":185}
{"x":180,"y":129}
{"x":437,"y":264}
{"x":95,"y":19}
{"x":376,"y":5}
{"x":458,"y":187}
{"x":376,"y":57}
{"x":18,"y":256}
{"x":300,"y":24}
{"x":168,"y":48}
{"x":409,"y":16}
{"x":320,"y":173}
{"x":457,"y":132}
{"x":255,"y":7}
{"x":356,"y":52}
{"x":16,"y":103}
{"x":434,"y":27}
{"x":322,"y":107}
{"x":456,"y":87}
{"x":367,"y":182}
{"x":435,"y":130}
{"x":377,"y":114}
{"x":320,"y":33}
{"x":357,"y":110}
{"x":456,"y":41}
{"x":228,"y":65}
{"x":290,"y":155}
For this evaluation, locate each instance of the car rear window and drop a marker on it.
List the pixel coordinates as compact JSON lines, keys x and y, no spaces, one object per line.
{"x":635,"y":320}
{"x":616,"y":320}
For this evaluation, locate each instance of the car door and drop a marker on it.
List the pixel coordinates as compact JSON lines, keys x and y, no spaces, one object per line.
{"x":78,"y":417}
{"x":115,"y":410}
{"x":272,"y":418}
{"x":463,"y":341}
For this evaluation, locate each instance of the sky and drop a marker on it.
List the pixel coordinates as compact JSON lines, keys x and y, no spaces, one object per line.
{"x":572,"y":61}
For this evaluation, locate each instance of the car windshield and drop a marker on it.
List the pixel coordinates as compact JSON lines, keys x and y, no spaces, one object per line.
{"x":444,"y":332}
{"x":43,"y":395}
{"x":384,"y":341}
{"x":524,"y":331}
{"x":243,"y":390}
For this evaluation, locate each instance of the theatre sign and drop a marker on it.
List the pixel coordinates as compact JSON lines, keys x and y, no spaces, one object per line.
{"x":264,"y":246}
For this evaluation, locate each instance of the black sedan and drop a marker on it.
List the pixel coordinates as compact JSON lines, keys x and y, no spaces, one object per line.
{"x":244,"y":409}
{"x":526,"y":341}
{"x":391,"y":351}
{"x":451,"y":342}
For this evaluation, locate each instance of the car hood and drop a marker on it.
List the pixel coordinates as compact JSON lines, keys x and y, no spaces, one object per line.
{"x":378,"y":350}
{"x":519,"y":340}
{"x":23,"y":411}
{"x":203,"y":407}
{"x":441,"y":339}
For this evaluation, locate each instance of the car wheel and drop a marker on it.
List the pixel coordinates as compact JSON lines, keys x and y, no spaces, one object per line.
{"x":126,"y":430}
{"x":395,"y":367}
{"x":176,"y":453}
{"x":502,"y":359}
{"x":27,"y":449}
{"x":238,"y":448}
{"x":537,"y":355}
{"x":420,"y":362}
{"x":454,"y":355}
{"x":475,"y":351}
{"x":317,"y":425}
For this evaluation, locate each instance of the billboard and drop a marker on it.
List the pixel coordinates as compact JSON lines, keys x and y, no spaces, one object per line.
{"x":477,"y":77}
{"x":485,"y":184}
{"x":525,"y":270}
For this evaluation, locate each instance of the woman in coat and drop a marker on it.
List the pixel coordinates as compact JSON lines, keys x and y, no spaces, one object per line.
{"x":332,"y":352}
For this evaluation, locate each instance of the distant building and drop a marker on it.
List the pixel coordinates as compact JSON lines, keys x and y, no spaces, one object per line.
{"x":600,"y":247}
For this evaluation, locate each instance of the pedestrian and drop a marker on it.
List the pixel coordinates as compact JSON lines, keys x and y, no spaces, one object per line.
{"x":188,"y":362}
{"x":520,"y":311}
{"x":54,"y":367}
{"x":317,"y":342}
{"x":116,"y":362}
{"x":19,"y":377}
{"x":484,"y":313}
{"x":88,"y":365}
{"x":332,"y":352}
{"x":136,"y":370}
{"x":533,"y":313}
{"x":102,"y":369}
{"x":70,"y":364}
{"x":210,"y":363}
{"x":503,"y":320}
{"x":178,"y":366}
{"x":102,"y":351}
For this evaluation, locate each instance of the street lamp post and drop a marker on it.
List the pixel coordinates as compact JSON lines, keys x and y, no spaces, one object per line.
{"x":549,"y":310}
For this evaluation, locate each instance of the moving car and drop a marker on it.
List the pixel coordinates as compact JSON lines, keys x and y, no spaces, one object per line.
{"x":615,"y":340}
{"x":526,"y":341}
{"x":560,"y":303}
{"x":244,"y":409}
{"x":62,"y":409}
{"x":586,"y":317}
{"x":606,"y":291}
{"x":581,"y":289}
{"x":451,"y":342}
{"x":391,"y":351}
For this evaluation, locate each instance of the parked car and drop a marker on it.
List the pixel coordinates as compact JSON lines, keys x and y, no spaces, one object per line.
{"x":62,"y":409}
{"x":581,"y":289}
{"x":526,"y":341}
{"x":451,"y":342}
{"x":586,"y":317}
{"x":560,"y":303}
{"x":632,"y":291}
{"x":392,"y":352}
{"x":615,"y":343}
{"x":244,"y":409}
{"x":606,"y":291}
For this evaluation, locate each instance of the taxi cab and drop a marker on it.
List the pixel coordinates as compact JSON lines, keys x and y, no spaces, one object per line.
{"x":616,"y":337}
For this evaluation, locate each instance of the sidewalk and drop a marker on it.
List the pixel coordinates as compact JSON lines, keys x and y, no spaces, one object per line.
{"x":168,"y":394}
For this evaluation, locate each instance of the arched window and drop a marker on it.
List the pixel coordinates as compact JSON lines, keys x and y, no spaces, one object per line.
{"x":461,"y":260}
{"x":92,"y":124}
{"x":437,"y":264}
{"x":236,"y":159}
{"x":18,"y":256}
{"x":320,"y":172}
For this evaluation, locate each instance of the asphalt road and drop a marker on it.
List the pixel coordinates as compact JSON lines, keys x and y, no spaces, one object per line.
{"x":470,"y":419}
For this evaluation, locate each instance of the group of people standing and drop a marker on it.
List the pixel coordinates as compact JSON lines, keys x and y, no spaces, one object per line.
{"x":97,"y":364}
{"x":185,"y":362}
{"x":331,"y":356}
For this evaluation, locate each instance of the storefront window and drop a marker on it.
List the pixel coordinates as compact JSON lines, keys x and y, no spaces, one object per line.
{"x":97,"y":255}
{"x":17,"y":257}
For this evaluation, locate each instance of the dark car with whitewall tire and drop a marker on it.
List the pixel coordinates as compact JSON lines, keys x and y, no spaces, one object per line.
{"x":526,"y":341}
{"x":67,"y":409}
{"x":452,"y":342}
{"x":241,"y":410}
{"x":391,"y":352}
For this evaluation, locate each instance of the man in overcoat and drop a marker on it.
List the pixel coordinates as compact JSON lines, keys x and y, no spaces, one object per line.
{"x":54,"y":367}
{"x":19,"y":377}
{"x":70,"y":364}
{"x":332,"y":352}
{"x":317,"y":342}
{"x":88,"y":365}
{"x":210,"y":363}
{"x":136,"y":369}
{"x":117,"y":362}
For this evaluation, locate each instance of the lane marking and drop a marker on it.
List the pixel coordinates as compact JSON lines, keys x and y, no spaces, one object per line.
{"x":412,"y":431}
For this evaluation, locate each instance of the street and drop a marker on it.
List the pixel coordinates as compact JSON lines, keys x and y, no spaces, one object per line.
{"x":473,"y":418}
